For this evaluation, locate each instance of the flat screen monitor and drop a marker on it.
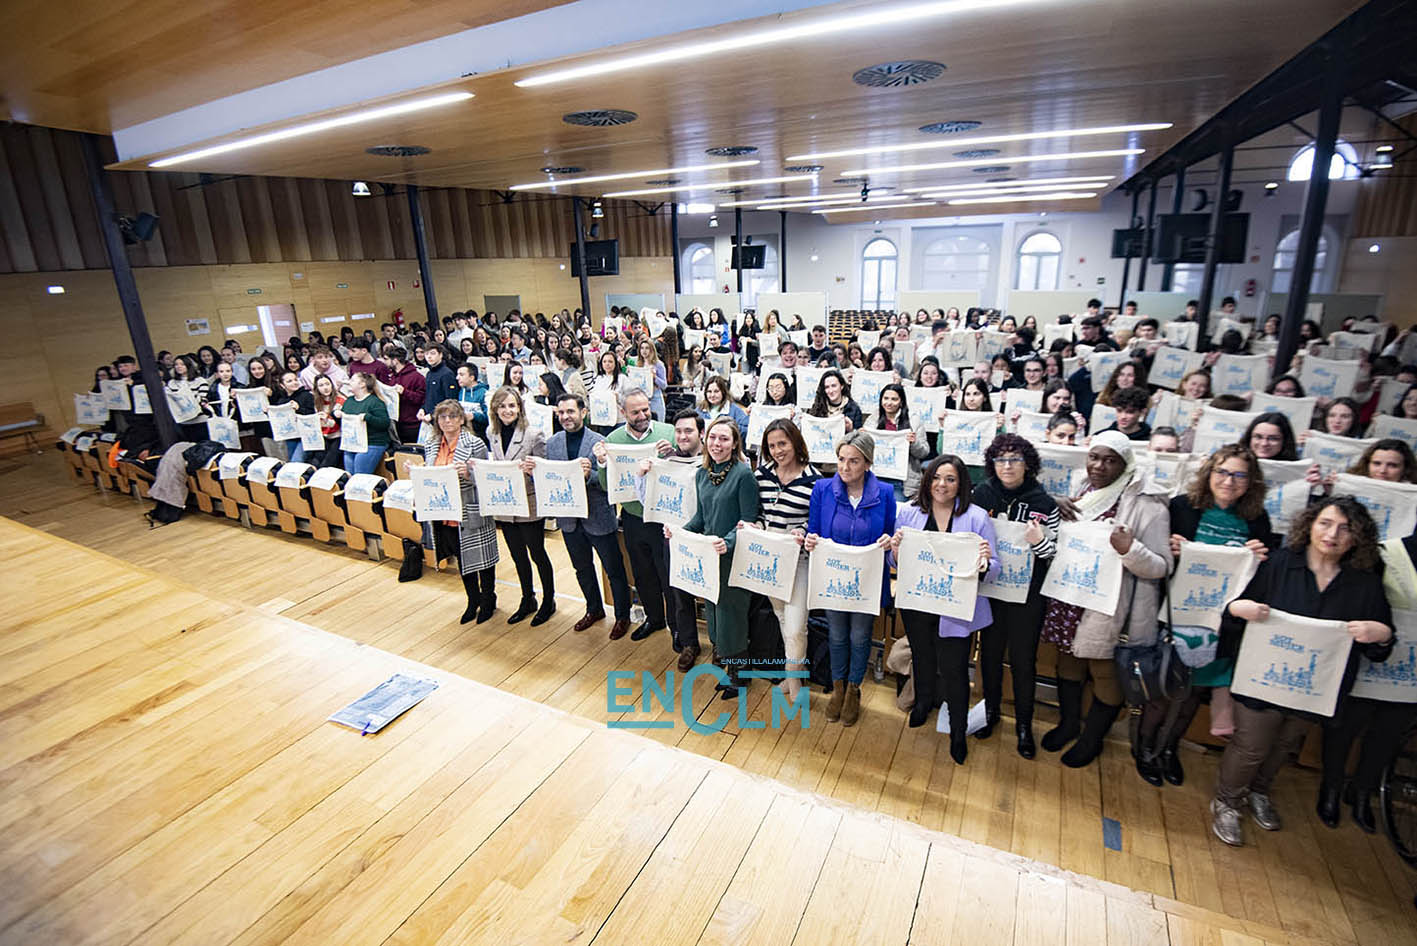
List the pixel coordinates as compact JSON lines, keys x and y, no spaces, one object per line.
{"x":754,"y":257}
{"x":602,"y":258}
{"x":1128,"y":243}
{"x":1180,"y":238}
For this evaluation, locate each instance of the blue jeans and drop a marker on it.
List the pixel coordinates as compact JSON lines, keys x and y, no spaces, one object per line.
{"x":579,"y":544}
{"x":366,"y":462}
{"x":295,"y":450}
{"x":849,"y":640}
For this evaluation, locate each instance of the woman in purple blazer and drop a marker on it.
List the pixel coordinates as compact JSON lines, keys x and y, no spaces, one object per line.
{"x":939,"y":646}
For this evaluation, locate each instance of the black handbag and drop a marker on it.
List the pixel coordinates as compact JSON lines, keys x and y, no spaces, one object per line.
{"x":1150,"y":672}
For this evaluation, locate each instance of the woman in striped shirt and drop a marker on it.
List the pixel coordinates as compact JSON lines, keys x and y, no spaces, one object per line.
{"x":1011,"y":490}
{"x":785,"y":482}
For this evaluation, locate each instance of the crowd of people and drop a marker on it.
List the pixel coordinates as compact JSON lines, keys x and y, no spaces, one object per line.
{"x":466,"y":392}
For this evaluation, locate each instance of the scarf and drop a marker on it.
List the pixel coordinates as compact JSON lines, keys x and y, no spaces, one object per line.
{"x":1094,"y":504}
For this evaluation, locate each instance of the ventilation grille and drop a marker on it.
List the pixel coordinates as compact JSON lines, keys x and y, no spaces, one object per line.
{"x":849,"y":180}
{"x":732,"y":151}
{"x":565,"y":169}
{"x":977,"y":153}
{"x":397,"y":151}
{"x":803,"y":168}
{"x":949,"y":128}
{"x":894,"y":75}
{"x":729,"y":190}
{"x":1000,"y":180}
{"x":991,"y":169}
{"x":664,"y":181}
{"x":600,"y":117}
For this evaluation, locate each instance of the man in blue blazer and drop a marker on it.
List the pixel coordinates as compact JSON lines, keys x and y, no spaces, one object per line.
{"x":598,"y":530}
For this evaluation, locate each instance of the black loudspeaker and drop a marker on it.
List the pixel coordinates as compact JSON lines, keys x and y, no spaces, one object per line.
{"x":1233,"y":200}
{"x":139,"y":229}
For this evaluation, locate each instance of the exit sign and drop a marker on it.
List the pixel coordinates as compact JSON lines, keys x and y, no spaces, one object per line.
{"x":341,"y":285}
{"x":253,"y":292}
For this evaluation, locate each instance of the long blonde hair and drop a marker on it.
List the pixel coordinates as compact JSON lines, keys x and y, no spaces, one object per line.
{"x":495,"y":422}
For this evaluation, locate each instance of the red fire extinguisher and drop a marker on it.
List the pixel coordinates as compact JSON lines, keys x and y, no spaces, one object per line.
{"x":1250,"y":288}
{"x":398,"y":317}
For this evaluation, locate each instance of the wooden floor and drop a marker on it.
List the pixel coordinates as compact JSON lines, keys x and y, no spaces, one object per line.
{"x":165,"y":775}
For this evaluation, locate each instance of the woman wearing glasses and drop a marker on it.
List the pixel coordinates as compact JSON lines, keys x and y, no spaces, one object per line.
{"x":1011,"y":490}
{"x":1224,"y":506}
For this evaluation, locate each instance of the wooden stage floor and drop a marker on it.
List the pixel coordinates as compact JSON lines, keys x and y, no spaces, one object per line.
{"x":166,"y":775}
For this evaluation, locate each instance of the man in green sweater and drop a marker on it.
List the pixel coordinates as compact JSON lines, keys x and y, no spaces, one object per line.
{"x":644,"y":541}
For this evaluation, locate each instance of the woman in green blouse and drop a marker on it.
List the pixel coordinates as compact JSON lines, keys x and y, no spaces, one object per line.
{"x":728,"y":497}
{"x":363,"y":400}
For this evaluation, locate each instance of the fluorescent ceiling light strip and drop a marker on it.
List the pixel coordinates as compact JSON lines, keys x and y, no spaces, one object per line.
{"x":311,"y":128}
{"x":1018,"y":199}
{"x":980,"y":140}
{"x":996,"y":159}
{"x":628,"y":175}
{"x":825,"y":201}
{"x":850,"y":210}
{"x":1030,"y":182}
{"x":982,"y":191}
{"x":802,"y":198}
{"x":894,"y":16}
{"x":698,"y":187}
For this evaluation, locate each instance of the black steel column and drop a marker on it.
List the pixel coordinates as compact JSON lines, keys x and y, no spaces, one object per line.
{"x":738,"y":230}
{"x":1146,"y":239}
{"x":1127,"y":260}
{"x":1312,"y":224}
{"x":578,"y":214}
{"x":415,"y":216}
{"x":128,"y":292}
{"x":782,"y":250}
{"x":674,"y":239}
{"x":1212,"y":243}
{"x":1168,"y":270}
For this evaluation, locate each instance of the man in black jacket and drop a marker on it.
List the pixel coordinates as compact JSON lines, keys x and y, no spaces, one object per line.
{"x":441,"y":383}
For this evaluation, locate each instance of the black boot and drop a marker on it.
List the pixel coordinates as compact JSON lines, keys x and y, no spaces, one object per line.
{"x":1363,"y":810}
{"x":1026,"y":747}
{"x":919,"y":714}
{"x":1100,"y":717}
{"x":991,"y":719}
{"x":469,"y":584}
{"x":1149,"y":768}
{"x":548,"y":608}
{"x":1070,"y":708}
{"x":487,"y":598}
{"x":959,"y":747}
{"x":1170,"y":762}
{"x":412,"y":567}
{"x":523,"y":611}
{"x":1329,"y":807}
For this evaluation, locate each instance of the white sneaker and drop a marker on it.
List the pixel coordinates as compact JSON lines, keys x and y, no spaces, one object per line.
{"x":637,"y":614}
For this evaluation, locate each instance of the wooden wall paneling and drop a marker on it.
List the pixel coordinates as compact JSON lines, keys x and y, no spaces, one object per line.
{"x":30,"y":191}
{"x":349,"y":234}
{"x":120,"y":183}
{"x":143,"y":201}
{"x":258,"y":218}
{"x":485,"y":246}
{"x":23,"y":363}
{"x":242,"y":323}
{"x":228,"y":230}
{"x":438,"y":221}
{"x":320,"y":225}
{"x":196,"y":197}
{"x":75,"y":178}
{"x":179,"y":232}
{"x":18,"y":256}
{"x":462,"y":223}
{"x":401,"y":226}
{"x":56,"y":200}
{"x":288,"y":219}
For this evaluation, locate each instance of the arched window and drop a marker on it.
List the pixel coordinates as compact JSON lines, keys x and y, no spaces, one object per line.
{"x":1284,"y":254}
{"x":878,"y":274}
{"x":756,"y":281}
{"x":956,"y":262}
{"x":1343,"y":166}
{"x":698,"y":263}
{"x":1039,"y":259}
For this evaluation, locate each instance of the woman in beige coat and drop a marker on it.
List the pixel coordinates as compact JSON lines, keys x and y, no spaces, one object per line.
{"x":510,"y":438}
{"x":1086,"y":639}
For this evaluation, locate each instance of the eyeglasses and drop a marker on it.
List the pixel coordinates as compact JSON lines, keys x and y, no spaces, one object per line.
{"x":1234,"y":476}
{"x":1007,"y":461}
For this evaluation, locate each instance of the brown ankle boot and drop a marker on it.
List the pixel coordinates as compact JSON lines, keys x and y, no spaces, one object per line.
{"x":851,"y":711}
{"x":834,"y":704}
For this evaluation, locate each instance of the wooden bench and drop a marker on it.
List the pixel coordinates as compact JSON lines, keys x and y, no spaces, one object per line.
{"x":21,"y":425}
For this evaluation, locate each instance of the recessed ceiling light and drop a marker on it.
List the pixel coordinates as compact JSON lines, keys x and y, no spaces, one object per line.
{"x":629,"y":175}
{"x":874,"y":207}
{"x":825,"y":26}
{"x":696,"y":208}
{"x":360,"y":189}
{"x":1018,"y":198}
{"x":1025,"y":182}
{"x":983,"y":190}
{"x":823,"y":202}
{"x":722,"y":186}
{"x":1271,"y":185}
{"x":1382,"y":163}
{"x":311,"y":128}
{"x":1383,"y":149}
{"x":813,"y":258}
{"x":55,"y":290}
{"x":1375,"y":247}
{"x":981,"y":140}
{"x":895,"y":75}
{"x":1020,"y":159}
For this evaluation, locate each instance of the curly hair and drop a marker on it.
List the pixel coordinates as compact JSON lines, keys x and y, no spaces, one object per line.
{"x":1366,"y":551}
{"x":1013,"y":443}
{"x":1391,"y":445}
{"x":1251,"y":504}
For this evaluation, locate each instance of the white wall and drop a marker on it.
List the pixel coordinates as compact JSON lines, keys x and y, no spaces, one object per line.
{"x":1086,"y":237}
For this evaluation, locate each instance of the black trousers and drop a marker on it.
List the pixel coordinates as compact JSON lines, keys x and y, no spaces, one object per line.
{"x":478,"y":585}
{"x":939,"y":666}
{"x":526,"y":541}
{"x":408,"y":431}
{"x":649,"y":560}
{"x":1383,"y":727}
{"x":1016,"y":628}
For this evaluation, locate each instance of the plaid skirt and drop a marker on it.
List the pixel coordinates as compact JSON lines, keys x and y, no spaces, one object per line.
{"x":476,"y":546}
